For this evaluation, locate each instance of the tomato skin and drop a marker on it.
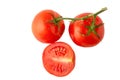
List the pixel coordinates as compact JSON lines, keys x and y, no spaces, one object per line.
{"x":58,"y":59}
{"x":44,"y":30}
{"x":78,"y":31}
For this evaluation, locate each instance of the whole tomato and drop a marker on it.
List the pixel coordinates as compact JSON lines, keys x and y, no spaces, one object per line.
{"x":58,"y":59}
{"x":46,"y":28}
{"x":87,"y":32}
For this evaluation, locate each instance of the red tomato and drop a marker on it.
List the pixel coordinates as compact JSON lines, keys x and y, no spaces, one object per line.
{"x":83,"y":34}
{"x":44,"y":29}
{"x":59,"y":59}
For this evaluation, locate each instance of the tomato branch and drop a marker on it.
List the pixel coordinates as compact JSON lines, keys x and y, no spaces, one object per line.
{"x":83,"y":18}
{"x":91,"y":28}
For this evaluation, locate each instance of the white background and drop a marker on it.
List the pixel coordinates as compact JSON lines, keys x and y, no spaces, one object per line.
{"x":20,"y":52}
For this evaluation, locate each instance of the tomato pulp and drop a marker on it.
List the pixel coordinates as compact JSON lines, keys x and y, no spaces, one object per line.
{"x":58,"y":59}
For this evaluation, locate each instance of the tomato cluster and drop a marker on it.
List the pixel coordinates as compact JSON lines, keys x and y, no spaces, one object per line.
{"x":86,"y":30}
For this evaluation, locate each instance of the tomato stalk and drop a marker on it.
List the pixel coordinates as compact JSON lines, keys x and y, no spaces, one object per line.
{"x":58,"y":19}
{"x":83,"y":18}
{"x":92,"y":26}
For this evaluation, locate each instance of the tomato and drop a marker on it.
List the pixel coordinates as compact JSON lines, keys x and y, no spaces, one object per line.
{"x":45,"y":28}
{"x":58,"y":59}
{"x":83,"y":34}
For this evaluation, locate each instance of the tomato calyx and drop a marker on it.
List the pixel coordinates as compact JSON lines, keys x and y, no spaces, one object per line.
{"x":92,"y":28}
{"x":55,"y":21}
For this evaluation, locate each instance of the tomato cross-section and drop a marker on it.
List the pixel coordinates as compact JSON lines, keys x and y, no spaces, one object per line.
{"x":58,"y":59}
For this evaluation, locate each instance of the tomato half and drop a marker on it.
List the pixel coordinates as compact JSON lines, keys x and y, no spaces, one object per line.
{"x":83,"y":34}
{"x":58,"y":59}
{"x":44,"y":28}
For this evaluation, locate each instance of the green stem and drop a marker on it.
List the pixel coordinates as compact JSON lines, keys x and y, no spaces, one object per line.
{"x":92,"y":26}
{"x":85,"y":17}
{"x":102,"y":10}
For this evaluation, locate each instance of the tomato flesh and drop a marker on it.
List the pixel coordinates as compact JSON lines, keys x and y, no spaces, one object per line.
{"x":78,"y":30}
{"x":44,"y":29}
{"x":59,"y":59}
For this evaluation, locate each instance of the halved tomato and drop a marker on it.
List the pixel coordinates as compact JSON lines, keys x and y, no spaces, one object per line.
{"x":58,"y":59}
